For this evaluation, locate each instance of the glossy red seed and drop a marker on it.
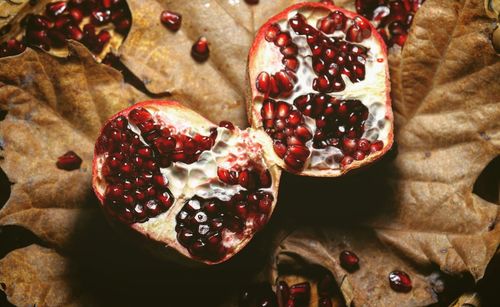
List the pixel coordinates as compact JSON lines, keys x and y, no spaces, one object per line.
{"x":346,"y":161}
{"x":282,"y":39}
{"x":55,"y":9}
{"x":171,"y":20}
{"x":69,"y":161}
{"x":400,"y":281}
{"x":376,"y":146}
{"x":262,"y":82}
{"x":272,"y":32}
{"x":282,"y":293}
{"x":100,"y":17}
{"x":200,"y":50}
{"x":349,"y":260}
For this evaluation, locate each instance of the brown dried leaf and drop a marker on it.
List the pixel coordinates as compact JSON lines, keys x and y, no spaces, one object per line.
{"x":54,"y":105}
{"x":445,"y":86}
{"x":37,"y":276}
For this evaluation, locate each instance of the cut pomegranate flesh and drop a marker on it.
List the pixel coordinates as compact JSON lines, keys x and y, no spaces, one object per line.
{"x":393,"y":19}
{"x":173,"y":176}
{"x":320,"y":89}
{"x":91,"y":22}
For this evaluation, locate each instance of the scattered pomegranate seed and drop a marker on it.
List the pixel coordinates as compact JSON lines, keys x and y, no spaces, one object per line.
{"x":400,"y":281}
{"x":349,"y":261}
{"x":171,"y":20}
{"x":69,"y":161}
{"x":200,"y":50}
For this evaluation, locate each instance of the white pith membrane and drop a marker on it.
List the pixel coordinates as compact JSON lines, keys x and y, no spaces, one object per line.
{"x":373,"y":91}
{"x":232,"y":149}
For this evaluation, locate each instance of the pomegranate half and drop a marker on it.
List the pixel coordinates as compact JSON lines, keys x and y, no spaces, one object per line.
{"x":182,"y":182}
{"x":319,"y":85}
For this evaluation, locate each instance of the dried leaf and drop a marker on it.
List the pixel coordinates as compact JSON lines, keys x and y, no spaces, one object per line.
{"x":53,"y":106}
{"x":37,"y":276}
{"x":447,"y":110}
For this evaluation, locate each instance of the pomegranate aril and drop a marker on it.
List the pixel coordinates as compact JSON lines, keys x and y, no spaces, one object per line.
{"x":200,"y":51}
{"x":349,"y":261}
{"x":55,"y":9}
{"x":227,"y":125}
{"x":289,"y":50}
{"x":284,"y":82}
{"x":376,"y":146}
{"x":272,"y":32}
{"x":69,"y":161}
{"x":171,"y":20}
{"x":346,"y":161}
{"x":100,"y":17}
{"x":400,"y":281}
{"x":283,"y":39}
{"x":122,"y":25}
{"x":300,"y":294}
{"x":338,"y":19}
{"x":74,"y":33}
{"x":166,"y":199}
{"x":39,"y":22}
{"x":139,"y":115}
{"x":263,"y":82}
{"x":282,"y":293}
{"x":290,"y":63}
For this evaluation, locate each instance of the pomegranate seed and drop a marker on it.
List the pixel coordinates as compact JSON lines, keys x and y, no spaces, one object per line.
{"x":283,"y":80}
{"x":346,"y":161}
{"x":282,"y":293}
{"x":38,"y":22}
{"x":103,"y":37}
{"x":262,"y":83}
{"x":349,"y":261}
{"x":300,"y":294}
{"x":100,"y":18}
{"x":290,"y":63}
{"x":69,"y":161}
{"x":376,"y":146}
{"x":282,"y":39}
{"x":200,"y":51}
{"x":227,"y":125}
{"x":289,"y":51}
{"x":76,"y":14}
{"x":326,"y":25}
{"x":74,"y":33}
{"x":364,"y":145}
{"x":272,"y":32}
{"x":400,"y":281}
{"x":55,"y":9}
{"x":139,"y":115}
{"x":122,"y":25}
{"x":326,"y":286}
{"x":171,"y":20}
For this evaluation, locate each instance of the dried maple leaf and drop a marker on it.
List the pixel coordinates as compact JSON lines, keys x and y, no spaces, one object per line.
{"x":445,"y":86}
